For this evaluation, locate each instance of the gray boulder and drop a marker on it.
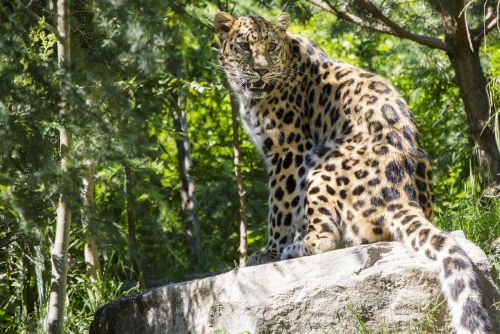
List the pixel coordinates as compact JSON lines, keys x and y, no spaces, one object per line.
{"x":380,"y":286}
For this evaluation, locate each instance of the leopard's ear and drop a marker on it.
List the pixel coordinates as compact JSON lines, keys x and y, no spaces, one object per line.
{"x":223,"y":23}
{"x":283,"y":21}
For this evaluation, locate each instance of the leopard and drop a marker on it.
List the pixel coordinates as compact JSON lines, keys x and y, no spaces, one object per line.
{"x":343,"y":156}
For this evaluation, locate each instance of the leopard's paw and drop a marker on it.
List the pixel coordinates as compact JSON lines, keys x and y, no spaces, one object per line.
{"x":261,"y":257}
{"x":293,"y":250}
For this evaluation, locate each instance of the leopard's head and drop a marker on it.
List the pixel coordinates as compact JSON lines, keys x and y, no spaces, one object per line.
{"x":254,"y":52}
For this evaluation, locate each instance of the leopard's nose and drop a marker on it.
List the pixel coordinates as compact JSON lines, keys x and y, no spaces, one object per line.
{"x":261,"y":71}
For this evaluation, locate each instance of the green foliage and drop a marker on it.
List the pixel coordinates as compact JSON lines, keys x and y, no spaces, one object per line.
{"x":130,"y":61}
{"x":87,"y":296}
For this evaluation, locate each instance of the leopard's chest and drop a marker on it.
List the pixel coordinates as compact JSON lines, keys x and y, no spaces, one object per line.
{"x":273,"y":124}
{"x":253,"y":125}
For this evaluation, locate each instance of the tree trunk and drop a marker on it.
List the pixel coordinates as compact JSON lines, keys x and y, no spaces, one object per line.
{"x":131,"y":223}
{"x":39,"y":269}
{"x":465,"y":60}
{"x":239,"y":183}
{"x":55,"y":315}
{"x":480,"y":114}
{"x":188,"y":200}
{"x":187,"y":186}
{"x":90,"y":251}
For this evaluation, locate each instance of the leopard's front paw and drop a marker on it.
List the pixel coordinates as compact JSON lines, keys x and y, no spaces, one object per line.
{"x":293,"y":250}
{"x":262,"y":257}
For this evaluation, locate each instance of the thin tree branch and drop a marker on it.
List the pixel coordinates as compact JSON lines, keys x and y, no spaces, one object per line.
{"x":350,"y":17}
{"x":490,"y":22}
{"x":389,"y":27}
{"x":399,"y":30}
{"x":47,"y":25}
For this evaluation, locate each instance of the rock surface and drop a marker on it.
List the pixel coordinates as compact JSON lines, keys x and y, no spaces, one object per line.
{"x":382,"y":285}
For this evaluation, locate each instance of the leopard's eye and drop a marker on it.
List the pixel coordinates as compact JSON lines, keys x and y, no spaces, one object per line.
{"x":272,"y":47}
{"x":244,"y":46}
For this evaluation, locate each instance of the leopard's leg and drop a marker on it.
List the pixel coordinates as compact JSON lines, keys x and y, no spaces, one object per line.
{"x":278,"y":234}
{"x":322,"y":214}
{"x":286,"y":205}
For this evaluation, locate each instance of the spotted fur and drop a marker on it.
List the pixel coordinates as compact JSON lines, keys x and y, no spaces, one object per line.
{"x":343,"y":156}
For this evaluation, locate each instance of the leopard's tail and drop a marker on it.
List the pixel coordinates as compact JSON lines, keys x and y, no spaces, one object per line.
{"x":458,"y":279}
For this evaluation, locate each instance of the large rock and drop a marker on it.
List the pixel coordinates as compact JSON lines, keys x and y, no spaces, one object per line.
{"x":381,"y":286}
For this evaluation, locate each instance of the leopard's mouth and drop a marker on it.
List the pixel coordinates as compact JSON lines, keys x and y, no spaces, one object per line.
{"x":259,"y":86}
